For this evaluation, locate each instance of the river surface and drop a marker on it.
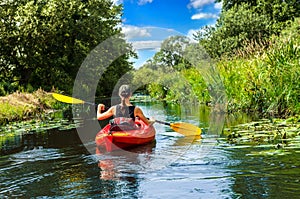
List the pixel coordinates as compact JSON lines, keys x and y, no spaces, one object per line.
{"x":56,"y":164}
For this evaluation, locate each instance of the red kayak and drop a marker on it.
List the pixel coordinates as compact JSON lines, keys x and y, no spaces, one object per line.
{"x":121,"y":135}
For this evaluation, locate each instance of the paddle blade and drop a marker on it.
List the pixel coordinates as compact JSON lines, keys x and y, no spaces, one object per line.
{"x":186,"y":129}
{"x":67,"y":99}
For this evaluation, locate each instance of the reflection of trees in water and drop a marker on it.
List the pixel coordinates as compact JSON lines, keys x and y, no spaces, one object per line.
{"x":264,"y":176}
{"x":116,"y":163}
{"x":52,"y":138}
{"x":122,"y":169}
{"x":44,"y":157}
{"x":10,"y":144}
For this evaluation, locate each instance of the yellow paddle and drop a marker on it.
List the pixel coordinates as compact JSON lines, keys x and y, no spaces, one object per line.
{"x":183,"y":128}
{"x":69,"y":100}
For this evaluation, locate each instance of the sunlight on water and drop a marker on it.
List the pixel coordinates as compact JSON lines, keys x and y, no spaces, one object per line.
{"x":56,"y":164}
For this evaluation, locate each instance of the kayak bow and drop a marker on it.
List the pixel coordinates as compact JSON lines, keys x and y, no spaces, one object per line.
{"x":109,"y":140}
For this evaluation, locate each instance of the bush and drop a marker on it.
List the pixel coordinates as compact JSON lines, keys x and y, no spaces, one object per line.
{"x":267,"y":82}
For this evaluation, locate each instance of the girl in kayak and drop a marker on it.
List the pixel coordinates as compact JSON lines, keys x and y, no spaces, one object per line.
{"x":125,"y":109}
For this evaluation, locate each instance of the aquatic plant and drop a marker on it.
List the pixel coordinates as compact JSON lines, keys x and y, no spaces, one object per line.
{"x":270,"y":133}
{"x":23,"y":106}
{"x":15,"y":130}
{"x":266,"y":81}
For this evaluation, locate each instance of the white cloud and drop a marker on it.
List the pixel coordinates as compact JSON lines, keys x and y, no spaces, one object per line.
{"x":218,"y":6}
{"x":204,"y":16}
{"x":134,"y":32}
{"x":117,"y":2}
{"x":140,"y":2}
{"x":154,"y":44}
{"x":191,"y":33}
{"x":143,"y":2}
{"x":199,"y":3}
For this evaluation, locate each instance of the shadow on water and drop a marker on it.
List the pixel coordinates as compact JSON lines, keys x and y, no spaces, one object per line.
{"x":55,"y":163}
{"x":53,"y":138}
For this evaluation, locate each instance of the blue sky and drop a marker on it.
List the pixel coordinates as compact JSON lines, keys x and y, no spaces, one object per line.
{"x":146,"y":23}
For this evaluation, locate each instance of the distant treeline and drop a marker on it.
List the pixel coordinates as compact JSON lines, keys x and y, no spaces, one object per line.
{"x":249,"y":60}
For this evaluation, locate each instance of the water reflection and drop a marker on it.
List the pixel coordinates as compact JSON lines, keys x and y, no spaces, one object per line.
{"x":142,"y":159}
{"x":52,"y":138}
{"x":115,"y":164}
{"x":265,"y":176}
{"x":172,"y":167}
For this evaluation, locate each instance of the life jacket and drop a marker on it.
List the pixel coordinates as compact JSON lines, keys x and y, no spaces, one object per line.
{"x":128,"y":112}
{"x":123,"y":120}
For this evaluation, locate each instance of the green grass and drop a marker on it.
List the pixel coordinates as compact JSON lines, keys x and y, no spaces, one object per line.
{"x":23,"y":106}
{"x":267,"y":82}
{"x":262,"y":78}
{"x":9,"y":112}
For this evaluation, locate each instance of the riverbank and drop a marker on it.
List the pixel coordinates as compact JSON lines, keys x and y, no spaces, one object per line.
{"x":21,"y":106}
{"x":263,"y":77}
{"x":31,"y":112}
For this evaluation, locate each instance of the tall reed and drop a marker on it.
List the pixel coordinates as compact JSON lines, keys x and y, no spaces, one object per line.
{"x":267,"y":81}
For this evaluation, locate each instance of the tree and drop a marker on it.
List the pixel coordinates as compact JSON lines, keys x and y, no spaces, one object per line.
{"x":234,"y":27}
{"x":166,"y":73}
{"x":241,"y":22}
{"x":43,"y":42}
{"x":172,"y":52}
{"x":267,"y":4}
{"x":228,"y":4}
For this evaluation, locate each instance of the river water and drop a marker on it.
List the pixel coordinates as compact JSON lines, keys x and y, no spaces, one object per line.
{"x":56,"y":164}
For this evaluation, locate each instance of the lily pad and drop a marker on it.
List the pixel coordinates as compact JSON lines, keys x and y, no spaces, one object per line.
{"x":265,"y":134}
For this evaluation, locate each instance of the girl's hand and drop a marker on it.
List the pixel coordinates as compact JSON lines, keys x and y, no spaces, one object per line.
{"x":101,"y":107}
{"x":151,"y":121}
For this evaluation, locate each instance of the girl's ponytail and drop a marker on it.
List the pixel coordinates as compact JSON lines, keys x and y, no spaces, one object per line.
{"x":124,"y":92}
{"x":123,"y":105}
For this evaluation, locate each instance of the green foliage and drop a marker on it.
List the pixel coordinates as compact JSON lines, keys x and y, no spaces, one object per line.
{"x":171,"y":86}
{"x":268,"y":83}
{"x":282,"y":64}
{"x":197,"y":83}
{"x":234,"y":27}
{"x":171,"y":53}
{"x":167,"y":74}
{"x":157,"y":91}
{"x":43,"y":42}
{"x":266,"y":6}
{"x":258,"y":56}
{"x":7,"y":87}
{"x":242,"y":22}
{"x":10,"y":113}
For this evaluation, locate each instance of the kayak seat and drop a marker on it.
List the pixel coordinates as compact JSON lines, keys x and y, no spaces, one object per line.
{"x":122,"y":125}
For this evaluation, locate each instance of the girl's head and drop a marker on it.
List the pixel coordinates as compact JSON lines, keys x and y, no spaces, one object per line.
{"x":124,"y":91}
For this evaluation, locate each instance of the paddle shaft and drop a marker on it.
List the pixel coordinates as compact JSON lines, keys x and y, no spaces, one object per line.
{"x":162,"y":122}
{"x":90,"y":103}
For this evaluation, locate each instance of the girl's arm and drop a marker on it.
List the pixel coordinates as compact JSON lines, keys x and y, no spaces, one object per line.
{"x":106,"y":114}
{"x":139,"y":113}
